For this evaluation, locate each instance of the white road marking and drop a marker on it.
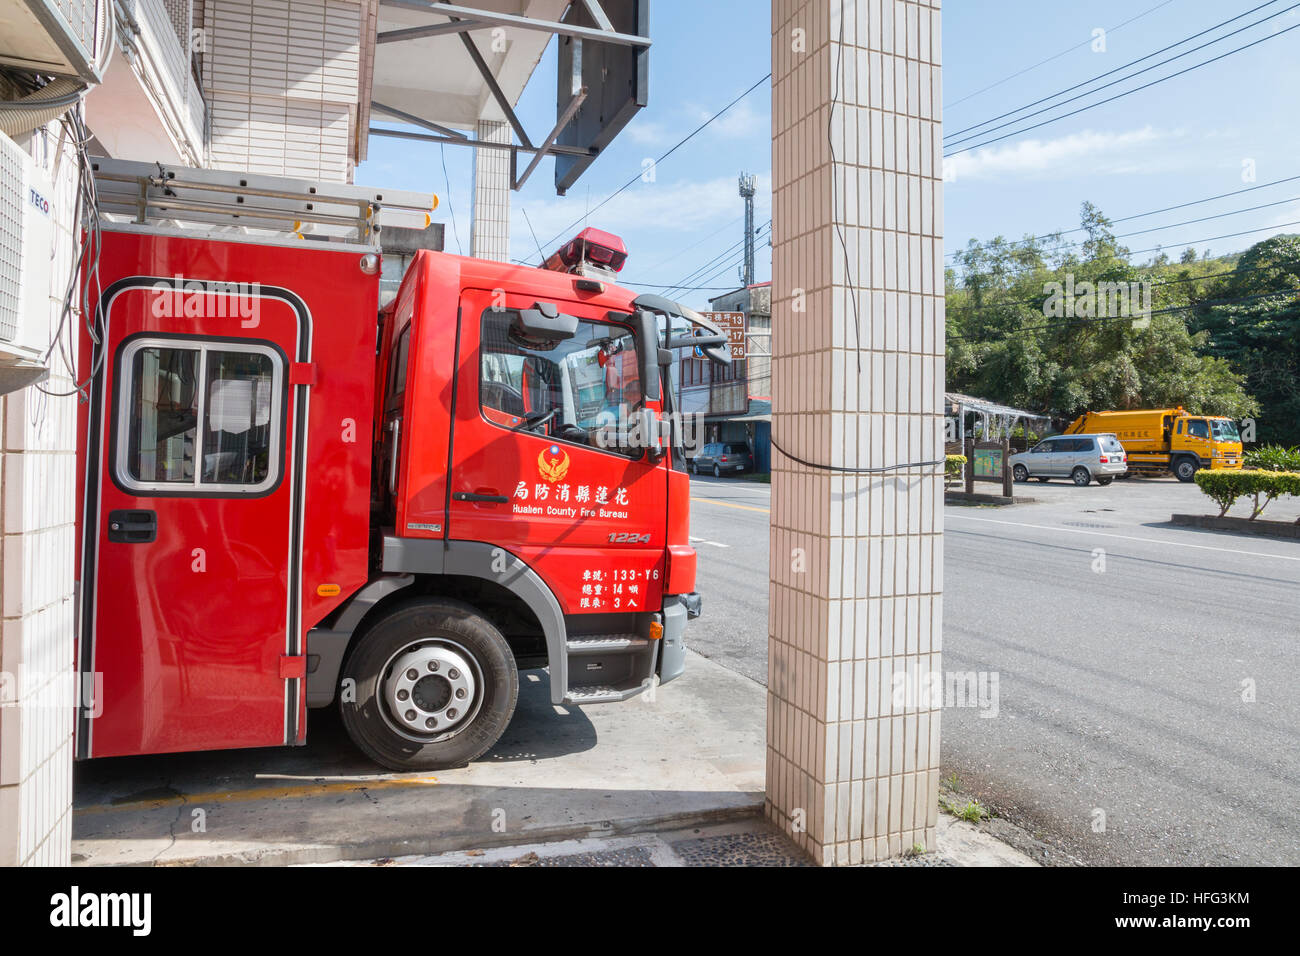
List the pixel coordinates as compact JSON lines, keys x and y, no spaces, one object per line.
{"x":1124,"y":537}
{"x":712,"y":544}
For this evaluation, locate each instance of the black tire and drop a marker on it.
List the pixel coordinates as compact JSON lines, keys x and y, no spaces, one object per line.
{"x":1105,"y":481}
{"x":1081,"y":476}
{"x":1185,"y":469}
{"x":717,"y":472}
{"x":1020,"y":473}
{"x":421,"y":625}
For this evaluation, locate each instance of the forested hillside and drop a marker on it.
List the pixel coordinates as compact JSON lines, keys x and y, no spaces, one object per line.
{"x":1054,"y":324}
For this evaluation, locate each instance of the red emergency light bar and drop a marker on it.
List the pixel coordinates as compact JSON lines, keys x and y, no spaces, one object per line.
{"x":591,"y":248}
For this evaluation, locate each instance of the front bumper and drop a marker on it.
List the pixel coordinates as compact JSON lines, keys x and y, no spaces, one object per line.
{"x":1225,"y":464}
{"x":678,"y":609}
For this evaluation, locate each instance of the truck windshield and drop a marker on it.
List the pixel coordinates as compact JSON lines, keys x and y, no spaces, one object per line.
{"x":1225,"y":430}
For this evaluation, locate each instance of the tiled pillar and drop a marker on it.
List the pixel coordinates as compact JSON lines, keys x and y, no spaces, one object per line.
{"x":490,"y":231}
{"x":855,"y":615}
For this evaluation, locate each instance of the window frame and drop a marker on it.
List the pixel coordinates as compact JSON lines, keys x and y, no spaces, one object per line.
{"x":553,"y":439}
{"x":399,"y":368}
{"x":123,"y":388}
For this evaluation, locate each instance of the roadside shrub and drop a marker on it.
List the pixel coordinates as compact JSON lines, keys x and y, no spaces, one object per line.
{"x":1226,"y":487}
{"x":1272,"y":458}
{"x":953,"y":467}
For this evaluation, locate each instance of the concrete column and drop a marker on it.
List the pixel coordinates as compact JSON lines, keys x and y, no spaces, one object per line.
{"x":490,"y":231}
{"x":855,"y":616}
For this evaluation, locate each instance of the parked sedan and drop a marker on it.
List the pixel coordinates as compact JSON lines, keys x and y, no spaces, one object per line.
{"x":1082,"y":459}
{"x":723,"y":458}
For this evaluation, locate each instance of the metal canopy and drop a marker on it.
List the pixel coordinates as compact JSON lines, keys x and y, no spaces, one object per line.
{"x":420,"y":81}
{"x":464,"y":19}
{"x":995,"y":419}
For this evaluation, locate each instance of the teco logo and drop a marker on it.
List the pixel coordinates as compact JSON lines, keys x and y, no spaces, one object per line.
{"x":39,"y":201}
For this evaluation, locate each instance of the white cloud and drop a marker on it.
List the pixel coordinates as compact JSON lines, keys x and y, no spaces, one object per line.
{"x":1091,"y":152}
{"x":742,"y":121}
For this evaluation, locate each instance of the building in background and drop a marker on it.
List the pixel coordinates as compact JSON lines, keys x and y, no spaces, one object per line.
{"x":736,"y":402}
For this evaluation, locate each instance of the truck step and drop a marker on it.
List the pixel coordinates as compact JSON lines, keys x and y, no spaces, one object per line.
{"x":601,"y":694}
{"x":606,"y":644}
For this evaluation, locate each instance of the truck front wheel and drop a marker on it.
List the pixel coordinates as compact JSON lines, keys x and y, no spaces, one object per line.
{"x":1185,"y":469}
{"x":430,"y":686}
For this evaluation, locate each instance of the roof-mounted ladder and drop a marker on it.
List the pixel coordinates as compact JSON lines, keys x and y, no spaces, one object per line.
{"x":233,"y":204}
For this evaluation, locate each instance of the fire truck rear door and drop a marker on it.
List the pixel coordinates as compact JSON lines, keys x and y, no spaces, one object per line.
{"x":192,"y":528}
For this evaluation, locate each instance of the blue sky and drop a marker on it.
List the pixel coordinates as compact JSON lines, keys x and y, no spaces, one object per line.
{"x":1195,"y":136}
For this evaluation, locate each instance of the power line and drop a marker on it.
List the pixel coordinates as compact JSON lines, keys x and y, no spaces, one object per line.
{"x":698,"y":273}
{"x":451,"y":213}
{"x":1117,"y":96}
{"x":1050,"y":59}
{"x":1185,"y":222}
{"x":681,"y":252}
{"x":682,"y":142}
{"x":1102,"y":76}
{"x":1038,"y":300}
{"x":1154,"y":212}
{"x":1067,"y":323}
{"x":735,"y":261}
{"x":701,"y":270}
{"x":1193,"y":242}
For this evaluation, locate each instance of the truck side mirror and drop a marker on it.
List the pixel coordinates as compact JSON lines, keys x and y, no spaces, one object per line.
{"x":545,"y":322}
{"x":716,"y":348}
{"x":647,"y":336}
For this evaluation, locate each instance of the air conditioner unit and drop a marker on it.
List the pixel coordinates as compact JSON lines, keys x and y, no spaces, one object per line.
{"x":64,"y":37}
{"x":26,"y":244}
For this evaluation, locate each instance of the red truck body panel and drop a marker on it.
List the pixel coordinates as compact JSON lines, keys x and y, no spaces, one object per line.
{"x":188,"y":630}
{"x":239,"y":439}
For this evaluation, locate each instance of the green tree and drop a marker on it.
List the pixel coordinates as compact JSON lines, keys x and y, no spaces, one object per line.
{"x":1012,"y":340}
{"x":1253,"y":324}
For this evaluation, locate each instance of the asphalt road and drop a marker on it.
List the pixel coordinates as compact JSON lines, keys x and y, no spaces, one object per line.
{"x":1127,"y":653}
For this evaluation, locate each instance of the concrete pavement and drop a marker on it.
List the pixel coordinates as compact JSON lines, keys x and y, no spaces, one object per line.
{"x":677,"y":781}
{"x":695,"y":754}
{"x":1124,"y":732}
{"x":750,"y":842}
{"x":1146,"y":713}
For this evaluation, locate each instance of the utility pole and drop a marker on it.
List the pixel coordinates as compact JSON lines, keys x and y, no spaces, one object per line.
{"x":748,"y":182}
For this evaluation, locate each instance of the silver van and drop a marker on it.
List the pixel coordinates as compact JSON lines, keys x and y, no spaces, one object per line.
{"x":1081,"y":458}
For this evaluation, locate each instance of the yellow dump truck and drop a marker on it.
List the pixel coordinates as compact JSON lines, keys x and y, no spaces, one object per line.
{"x":1167,"y":439}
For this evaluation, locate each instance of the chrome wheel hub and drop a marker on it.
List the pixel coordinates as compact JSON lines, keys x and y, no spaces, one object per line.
{"x":431,"y":690}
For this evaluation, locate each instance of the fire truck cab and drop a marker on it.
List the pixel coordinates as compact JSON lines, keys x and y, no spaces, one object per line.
{"x":293,"y":500}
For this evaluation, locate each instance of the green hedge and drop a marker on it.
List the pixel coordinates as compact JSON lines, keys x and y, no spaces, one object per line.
{"x":1226,"y":487}
{"x":1272,"y":458}
{"x":954,"y":466}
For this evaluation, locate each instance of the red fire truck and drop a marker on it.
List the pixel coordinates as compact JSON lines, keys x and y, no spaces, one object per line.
{"x":292,"y":499}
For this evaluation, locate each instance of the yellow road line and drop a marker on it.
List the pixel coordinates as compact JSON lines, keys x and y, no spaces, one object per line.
{"x":728,"y":504}
{"x":262,"y":793}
